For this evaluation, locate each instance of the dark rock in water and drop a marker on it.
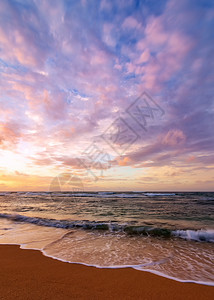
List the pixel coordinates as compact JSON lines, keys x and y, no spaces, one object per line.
{"x":101,"y":227}
{"x":88,"y":226}
{"x":162,"y":232}
{"x":202,"y":238}
{"x":159,"y":232}
{"x":78,"y":225}
{"x":115,"y":227}
{"x":136,"y":230}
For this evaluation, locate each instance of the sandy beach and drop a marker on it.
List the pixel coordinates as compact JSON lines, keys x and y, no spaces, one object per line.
{"x":27,"y":274}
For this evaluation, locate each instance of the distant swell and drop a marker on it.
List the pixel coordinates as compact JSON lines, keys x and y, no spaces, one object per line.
{"x":195,"y":235}
{"x":94,"y":194}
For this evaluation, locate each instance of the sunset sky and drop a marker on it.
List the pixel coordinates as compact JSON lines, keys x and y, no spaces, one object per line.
{"x":71,"y":75}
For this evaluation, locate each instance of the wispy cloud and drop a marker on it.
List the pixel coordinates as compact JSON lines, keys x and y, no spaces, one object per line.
{"x":70,"y":68}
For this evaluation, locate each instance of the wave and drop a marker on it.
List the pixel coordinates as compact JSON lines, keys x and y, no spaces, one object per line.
{"x":107,"y":195}
{"x":81,"y":194}
{"x":159,"y":194}
{"x":120,"y":195}
{"x":35,"y":193}
{"x":194,"y":235}
{"x":92,"y":194}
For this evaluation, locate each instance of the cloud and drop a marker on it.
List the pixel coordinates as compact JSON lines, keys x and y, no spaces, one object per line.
{"x":9,"y":135}
{"x":131,"y":23}
{"x":23,"y":44}
{"x":124,"y":162}
{"x":174,"y":137}
{"x":70,"y":69}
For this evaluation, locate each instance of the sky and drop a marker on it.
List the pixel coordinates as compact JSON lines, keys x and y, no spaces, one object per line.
{"x":107,"y":95}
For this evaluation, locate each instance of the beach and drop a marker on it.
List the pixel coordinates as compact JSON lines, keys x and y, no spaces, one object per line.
{"x":27,"y":274}
{"x":116,"y":230}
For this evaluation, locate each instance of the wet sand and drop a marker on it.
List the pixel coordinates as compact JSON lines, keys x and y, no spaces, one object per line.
{"x":27,"y":274}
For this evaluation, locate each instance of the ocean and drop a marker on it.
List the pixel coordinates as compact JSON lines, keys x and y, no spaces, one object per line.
{"x":170,"y":234}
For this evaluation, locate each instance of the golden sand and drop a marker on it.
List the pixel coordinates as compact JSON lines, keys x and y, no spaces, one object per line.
{"x":27,"y":274}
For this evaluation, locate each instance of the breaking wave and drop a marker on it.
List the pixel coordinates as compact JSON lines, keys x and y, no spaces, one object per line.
{"x":188,"y":234}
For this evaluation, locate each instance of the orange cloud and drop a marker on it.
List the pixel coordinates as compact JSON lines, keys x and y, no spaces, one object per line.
{"x":124,"y":162}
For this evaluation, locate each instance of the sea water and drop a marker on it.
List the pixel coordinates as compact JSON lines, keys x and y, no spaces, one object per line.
{"x":170,"y":234}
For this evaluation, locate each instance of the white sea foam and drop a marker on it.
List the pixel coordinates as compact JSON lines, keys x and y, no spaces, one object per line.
{"x":195,"y":235}
{"x":156,"y":256}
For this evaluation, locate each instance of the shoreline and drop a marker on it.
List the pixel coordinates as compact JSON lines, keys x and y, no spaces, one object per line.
{"x":29,"y":274}
{"x":157,"y":273}
{"x":123,"y":267}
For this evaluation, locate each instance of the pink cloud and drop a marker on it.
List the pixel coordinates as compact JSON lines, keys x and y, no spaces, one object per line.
{"x":9,"y":135}
{"x":174,"y":137}
{"x":131,"y":23}
{"x":144,"y":57}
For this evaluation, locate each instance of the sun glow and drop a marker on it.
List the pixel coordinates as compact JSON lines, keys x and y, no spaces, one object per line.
{"x":12,"y":161}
